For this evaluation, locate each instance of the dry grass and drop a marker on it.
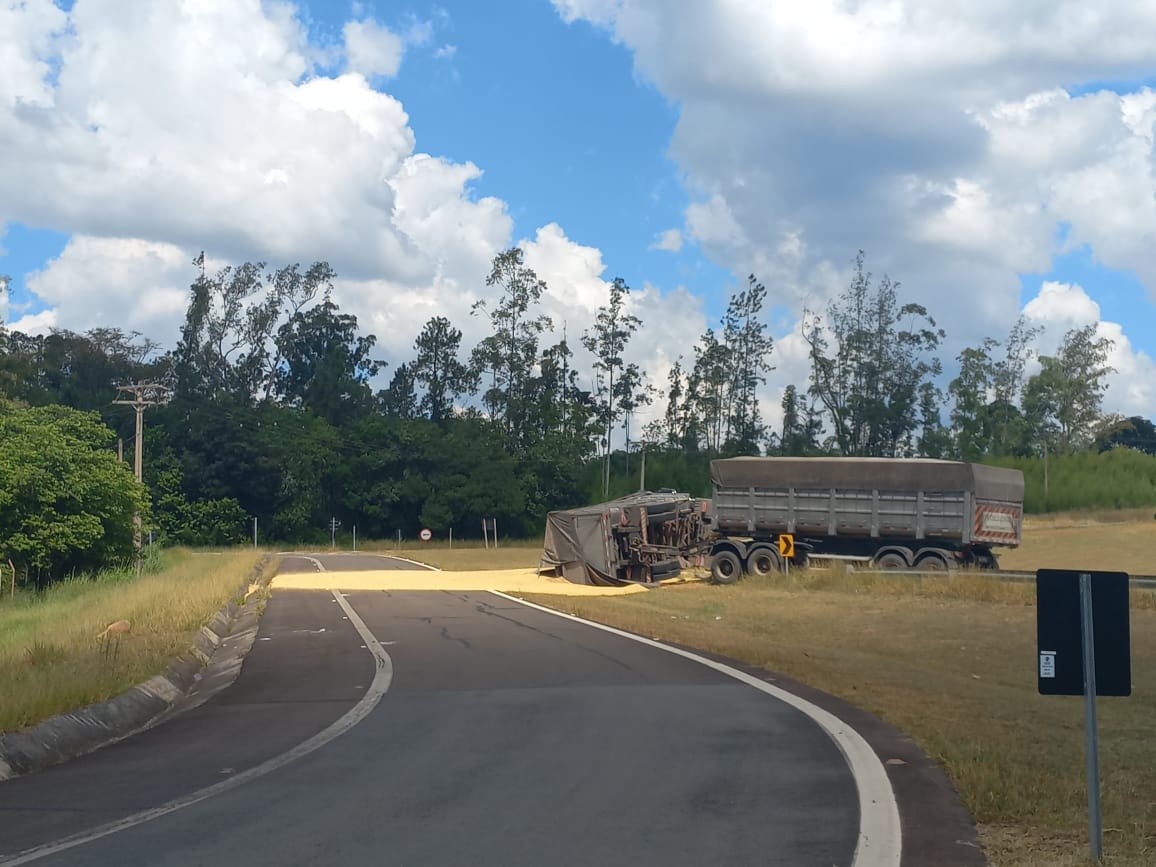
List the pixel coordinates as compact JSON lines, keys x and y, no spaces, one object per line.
{"x":467,"y":556}
{"x":51,"y":661}
{"x":1091,"y":542}
{"x":951,"y":661}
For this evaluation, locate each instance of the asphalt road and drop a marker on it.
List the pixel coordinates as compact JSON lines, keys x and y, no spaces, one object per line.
{"x":508,"y":736}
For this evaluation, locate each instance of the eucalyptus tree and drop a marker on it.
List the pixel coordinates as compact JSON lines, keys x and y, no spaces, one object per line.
{"x":506,"y":358}
{"x":748,"y":347}
{"x":606,"y":340}
{"x":438,"y":370}
{"x":869,"y":357}
{"x":1062,"y":402}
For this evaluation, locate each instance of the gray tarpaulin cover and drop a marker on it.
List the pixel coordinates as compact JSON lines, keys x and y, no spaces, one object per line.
{"x":891,"y":474}
{"x":579,"y":544}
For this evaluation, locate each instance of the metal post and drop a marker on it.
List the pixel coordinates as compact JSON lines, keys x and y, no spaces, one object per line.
{"x":399,"y":540}
{"x":354,"y":537}
{"x":254,"y":533}
{"x":1091,"y":735}
{"x":451,"y":538}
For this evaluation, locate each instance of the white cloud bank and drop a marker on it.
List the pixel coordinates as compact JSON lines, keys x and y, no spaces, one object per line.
{"x":937,"y":136}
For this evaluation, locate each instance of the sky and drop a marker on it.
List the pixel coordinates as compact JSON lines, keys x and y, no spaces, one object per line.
{"x":994,"y":158}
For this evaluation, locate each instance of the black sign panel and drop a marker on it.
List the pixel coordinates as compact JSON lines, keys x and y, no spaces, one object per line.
{"x":1059,"y":632}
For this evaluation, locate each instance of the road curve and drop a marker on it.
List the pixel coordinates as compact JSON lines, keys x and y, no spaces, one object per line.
{"x":508,"y":736}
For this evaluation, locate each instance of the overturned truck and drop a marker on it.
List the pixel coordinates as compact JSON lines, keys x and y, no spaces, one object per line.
{"x":889,"y":513}
{"x":641,"y":537}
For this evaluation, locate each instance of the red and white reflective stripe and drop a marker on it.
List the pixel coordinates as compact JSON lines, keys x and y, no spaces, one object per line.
{"x":984,"y":534}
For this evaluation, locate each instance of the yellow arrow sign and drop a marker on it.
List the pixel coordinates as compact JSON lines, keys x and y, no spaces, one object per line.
{"x":787,"y":545}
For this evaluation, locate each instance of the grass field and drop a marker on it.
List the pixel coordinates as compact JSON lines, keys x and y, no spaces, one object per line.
{"x":1108,"y":541}
{"x":466,"y":556}
{"x":50,"y":660}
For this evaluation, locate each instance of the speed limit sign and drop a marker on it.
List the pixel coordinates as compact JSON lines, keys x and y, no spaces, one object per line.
{"x":426,"y":534}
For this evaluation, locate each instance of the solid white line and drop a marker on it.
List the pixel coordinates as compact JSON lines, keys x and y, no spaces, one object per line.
{"x":380,"y":685}
{"x":407,"y":560}
{"x":880,"y":841}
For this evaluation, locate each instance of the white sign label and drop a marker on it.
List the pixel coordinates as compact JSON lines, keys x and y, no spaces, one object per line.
{"x":1047,"y":663}
{"x":997,"y":522}
{"x":426,"y":534}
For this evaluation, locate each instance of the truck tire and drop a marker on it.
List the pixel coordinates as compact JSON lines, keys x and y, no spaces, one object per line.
{"x":665,"y":569}
{"x":725,"y":568}
{"x":763,"y":562}
{"x":931,"y":563}
{"x":890,"y":560}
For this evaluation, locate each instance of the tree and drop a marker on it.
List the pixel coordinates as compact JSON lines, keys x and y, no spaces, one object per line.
{"x":437,"y":368}
{"x":1135,"y":432}
{"x":1008,"y":428}
{"x":229,"y":336}
{"x":748,"y":347}
{"x":327,"y":364}
{"x":970,"y":417}
{"x":399,"y":400}
{"x":66,"y":502}
{"x":606,"y":341}
{"x":1062,"y":401}
{"x":507,"y":357}
{"x":801,"y":426}
{"x":869,"y":357}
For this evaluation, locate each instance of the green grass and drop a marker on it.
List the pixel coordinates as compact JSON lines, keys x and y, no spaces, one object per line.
{"x":51,"y":660}
{"x":950,"y":661}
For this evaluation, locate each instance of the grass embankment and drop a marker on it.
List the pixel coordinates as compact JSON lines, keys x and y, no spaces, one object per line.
{"x":50,"y":659}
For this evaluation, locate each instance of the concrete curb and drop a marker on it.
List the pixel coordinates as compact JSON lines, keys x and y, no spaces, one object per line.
{"x":211,"y":664}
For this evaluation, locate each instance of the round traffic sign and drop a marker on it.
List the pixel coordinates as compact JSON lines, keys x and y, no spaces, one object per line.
{"x":426,"y":534}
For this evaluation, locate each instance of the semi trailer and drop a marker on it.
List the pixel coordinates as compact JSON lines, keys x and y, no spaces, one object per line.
{"x":891,"y":513}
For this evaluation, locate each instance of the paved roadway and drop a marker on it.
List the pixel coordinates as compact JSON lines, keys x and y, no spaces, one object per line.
{"x":508,"y":736}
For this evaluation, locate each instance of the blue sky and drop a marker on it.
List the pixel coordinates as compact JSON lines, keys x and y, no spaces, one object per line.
{"x":746,"y":129}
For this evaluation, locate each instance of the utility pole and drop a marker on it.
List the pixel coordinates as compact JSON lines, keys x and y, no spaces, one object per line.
{"x":144,"y":395}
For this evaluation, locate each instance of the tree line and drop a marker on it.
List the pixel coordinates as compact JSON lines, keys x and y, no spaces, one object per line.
{"x":272,"y":412}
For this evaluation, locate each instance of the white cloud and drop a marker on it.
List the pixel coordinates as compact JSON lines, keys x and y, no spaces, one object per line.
{"x":372,"y":48}
{"x":936,"y":136}
{"x":671,"y":240}
{"x":132,"y":284}
{"x":153,"y":131}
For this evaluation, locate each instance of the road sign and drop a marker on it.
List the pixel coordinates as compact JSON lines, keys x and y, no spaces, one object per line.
{"x":1083,"y":643}
{"x":426,"y":534}
{"x":786,"y":545}
{"x":1059,"y":632}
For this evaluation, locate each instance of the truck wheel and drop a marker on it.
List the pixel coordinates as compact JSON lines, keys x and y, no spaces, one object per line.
{"x":931,"y":563}
{"x":762,"y":562}
{"x":890,"y":560}
{"x":725,"y":568}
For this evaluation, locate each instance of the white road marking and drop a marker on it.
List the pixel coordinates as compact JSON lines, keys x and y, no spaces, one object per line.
{"x":407,"y":560}
{"x":880,"y":841}
{"x":380,"y":685}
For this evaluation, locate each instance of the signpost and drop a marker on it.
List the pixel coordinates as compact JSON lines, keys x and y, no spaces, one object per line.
{"x":1084,"y":648}
{"x":786,"y":550}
